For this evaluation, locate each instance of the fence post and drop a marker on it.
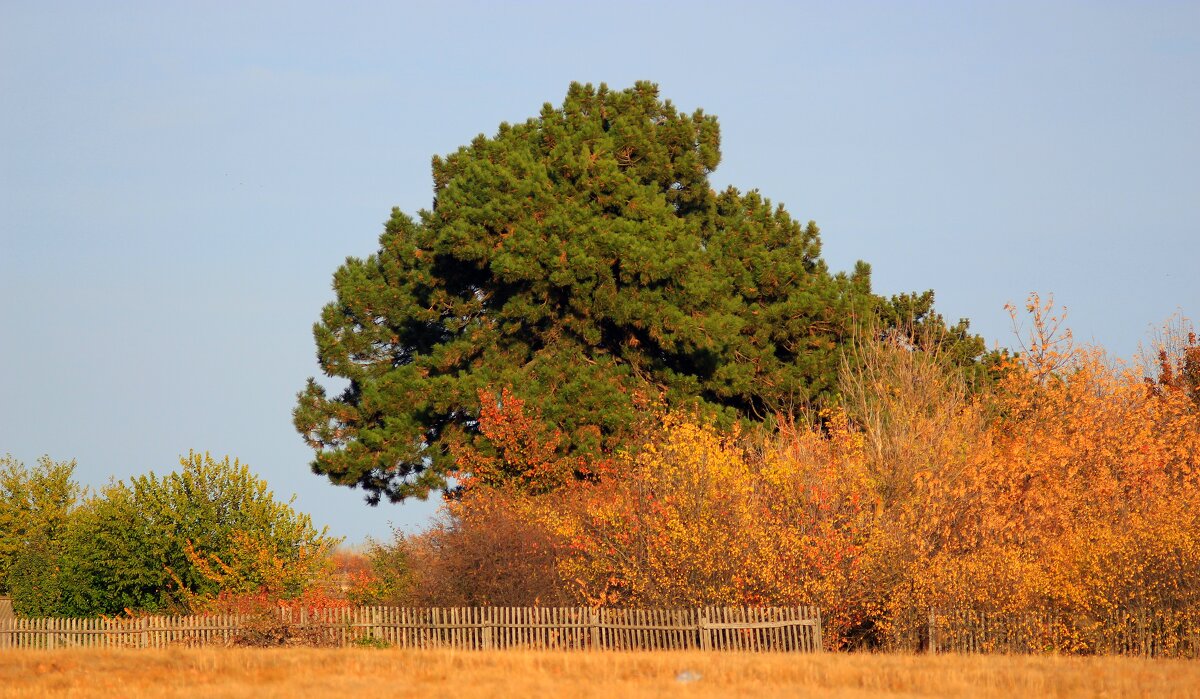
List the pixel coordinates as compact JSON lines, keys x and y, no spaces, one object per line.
{"x":705,"y":633}
{"x":933,"y":641}
{"x":820,"y":633}
{"x":486,"y":621}
{"x":7,"y":623}
{"x":594,"y":619}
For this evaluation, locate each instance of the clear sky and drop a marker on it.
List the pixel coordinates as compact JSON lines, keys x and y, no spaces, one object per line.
{"x":178,"y":181}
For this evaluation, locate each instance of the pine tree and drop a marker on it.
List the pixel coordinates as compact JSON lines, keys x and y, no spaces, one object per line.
{"x":583,"y":260}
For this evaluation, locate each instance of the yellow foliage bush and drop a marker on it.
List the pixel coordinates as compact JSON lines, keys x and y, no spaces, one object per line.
{"x":706,"y":518}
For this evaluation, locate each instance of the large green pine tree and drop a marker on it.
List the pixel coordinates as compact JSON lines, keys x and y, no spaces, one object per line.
{"x":583,"y":259}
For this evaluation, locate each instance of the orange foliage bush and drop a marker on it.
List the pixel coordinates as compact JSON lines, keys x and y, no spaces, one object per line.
{"x":488,"y":550}
{"x":256,"y":580}
{"x":1175,"y":355}
{"x":1068,"y":489}
{"x":710,"y":518}
{"x":519,"y":451}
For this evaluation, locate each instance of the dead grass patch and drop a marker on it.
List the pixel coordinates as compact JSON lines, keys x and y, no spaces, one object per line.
{"x":249,"y":673}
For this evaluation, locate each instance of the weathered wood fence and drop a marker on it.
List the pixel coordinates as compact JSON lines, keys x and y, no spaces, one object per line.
{"x":1148,"y":633}
{"x":779,"y":629}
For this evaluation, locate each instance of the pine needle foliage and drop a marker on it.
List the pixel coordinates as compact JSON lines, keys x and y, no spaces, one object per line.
{"x":583,"y":259}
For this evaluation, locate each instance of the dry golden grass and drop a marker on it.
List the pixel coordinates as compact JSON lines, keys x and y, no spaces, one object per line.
{"x":265,"y":674}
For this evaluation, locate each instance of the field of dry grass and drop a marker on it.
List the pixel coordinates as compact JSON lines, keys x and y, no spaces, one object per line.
{"x":266,"y":674}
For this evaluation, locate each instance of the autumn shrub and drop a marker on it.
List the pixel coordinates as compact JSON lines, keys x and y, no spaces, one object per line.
{"x":923,"y":430}
{"x":672,"y":533}
{"x":1100,"y":479}
{"x":1070,"y":490}
{"x":486,"y":549}
{"x":265,"y":620}
{"x":387,"y":578}
{"x":494,"y":543}
{"x":705,"y":517}
{"x":276,"y":596}
{"x":1172,"y":359}
{"x":254,"y":565}
{"x":356,"y":575}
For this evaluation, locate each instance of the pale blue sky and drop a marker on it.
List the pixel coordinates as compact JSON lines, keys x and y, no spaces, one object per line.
{"x":178,"y":181}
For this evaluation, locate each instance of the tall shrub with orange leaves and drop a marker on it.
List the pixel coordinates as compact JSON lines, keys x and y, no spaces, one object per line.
{"x":490,"y":547}
{"x":1102,"y":479}
{"x":515,"y":448}
{"x":253,"y":569}
{"x":704,"y":517}
{"x":1070,"y":489}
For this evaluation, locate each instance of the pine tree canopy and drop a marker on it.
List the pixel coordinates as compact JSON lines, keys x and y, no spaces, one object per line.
{"x":583,"y":260}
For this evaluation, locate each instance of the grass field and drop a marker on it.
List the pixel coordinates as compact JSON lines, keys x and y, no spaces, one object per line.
{"x":266,"y":674}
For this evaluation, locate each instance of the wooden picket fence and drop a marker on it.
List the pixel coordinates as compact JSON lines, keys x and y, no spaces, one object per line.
{"x":776,"y":629}
{"x":1147,"y":633}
